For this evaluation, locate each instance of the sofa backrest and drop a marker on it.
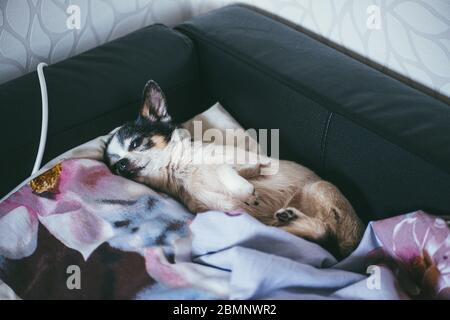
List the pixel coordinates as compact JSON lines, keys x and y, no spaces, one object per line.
{"x":385,"y":144}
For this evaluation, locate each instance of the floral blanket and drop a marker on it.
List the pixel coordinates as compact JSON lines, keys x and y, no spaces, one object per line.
{"x":79,"y":232}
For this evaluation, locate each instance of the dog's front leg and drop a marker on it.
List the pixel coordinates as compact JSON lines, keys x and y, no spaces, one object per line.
{"x":205,"y":200}
{"x":246,"y":163}
{"x":248,"y":171}
{"x":236,"y":185}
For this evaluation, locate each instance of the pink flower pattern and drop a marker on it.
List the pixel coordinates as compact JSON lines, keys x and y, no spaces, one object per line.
{"x":417,"y":247}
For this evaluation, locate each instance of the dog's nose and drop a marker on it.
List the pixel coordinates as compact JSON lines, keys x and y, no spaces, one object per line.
{"x":122,"y":165}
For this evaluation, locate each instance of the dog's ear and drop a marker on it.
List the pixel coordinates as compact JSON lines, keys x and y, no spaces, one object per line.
{"x":154,"y":104}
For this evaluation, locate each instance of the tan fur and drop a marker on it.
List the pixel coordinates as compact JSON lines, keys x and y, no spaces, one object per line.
{"x":216,"y":177}
{"x":159,"y":141}
{"x":217,"y":183}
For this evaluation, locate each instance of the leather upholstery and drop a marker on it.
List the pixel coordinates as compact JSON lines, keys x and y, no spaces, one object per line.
{"x":385,"y":144}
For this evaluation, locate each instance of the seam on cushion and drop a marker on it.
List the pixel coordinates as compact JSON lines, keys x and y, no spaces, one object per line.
{"x":323,"y":143}
{"x":306,"y":92}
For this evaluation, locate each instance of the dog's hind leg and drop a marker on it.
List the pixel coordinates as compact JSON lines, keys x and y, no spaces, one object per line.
{"x":294,"y":221}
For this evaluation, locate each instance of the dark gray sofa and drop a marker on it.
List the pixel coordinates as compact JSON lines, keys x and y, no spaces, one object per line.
{"x":386,"y":145}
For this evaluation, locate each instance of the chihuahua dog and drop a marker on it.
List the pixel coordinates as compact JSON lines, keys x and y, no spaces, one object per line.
{"x":152,"y":151}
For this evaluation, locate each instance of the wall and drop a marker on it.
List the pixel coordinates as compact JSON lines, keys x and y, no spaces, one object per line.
{"x":411,"y":40}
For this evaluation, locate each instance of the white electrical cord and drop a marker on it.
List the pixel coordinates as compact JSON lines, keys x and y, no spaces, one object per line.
{"x":44,"y":126}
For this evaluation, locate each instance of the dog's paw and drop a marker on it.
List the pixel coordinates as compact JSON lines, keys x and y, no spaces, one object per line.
{"x":285,"y":215}
{"x":249,"y":171}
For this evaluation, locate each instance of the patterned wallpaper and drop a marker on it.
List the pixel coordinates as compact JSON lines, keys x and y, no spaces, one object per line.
{"x":409,"y":39}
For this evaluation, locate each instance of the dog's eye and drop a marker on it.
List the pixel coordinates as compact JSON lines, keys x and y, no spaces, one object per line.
{"x":135,"y":143}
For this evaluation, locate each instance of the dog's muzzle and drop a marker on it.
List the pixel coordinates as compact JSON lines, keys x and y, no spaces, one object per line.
{"x":122,"y":165}
{"x":125,"y":168}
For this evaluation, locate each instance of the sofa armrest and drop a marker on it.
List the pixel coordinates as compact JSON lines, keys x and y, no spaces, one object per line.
{"x":92,"y":93}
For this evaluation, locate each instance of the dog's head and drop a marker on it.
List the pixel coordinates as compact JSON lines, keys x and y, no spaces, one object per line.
{"x":135,"y":146}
